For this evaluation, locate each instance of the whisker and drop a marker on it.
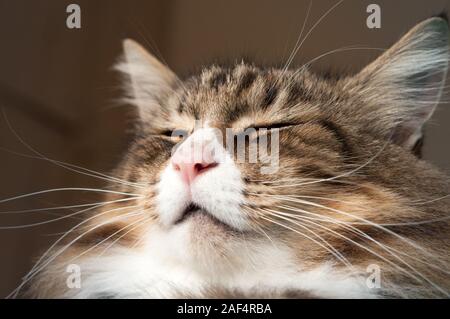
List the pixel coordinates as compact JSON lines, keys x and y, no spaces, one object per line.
{"x":329,"y":249}
{"x":58,"y":218}
{"x":432,"y":200}
{"x":416,"y":223}
{"x":313,"y":27}
{"x":111,"y":236}
{"x":261,"y":229}
{"x":342,"y":258}
{"x":68,"y":189}
{"x":412,"y":223}
{"x":295,"y":49}
{"x":358,"y":218}
{"x":338,"y":50}
{"x":54,"y":208}
{"x":78,"y":169}
{"x":58,"y":163}
{"x":142,"y":223}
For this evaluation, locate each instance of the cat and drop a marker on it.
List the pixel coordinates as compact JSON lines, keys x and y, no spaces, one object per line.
{"x":351,"y":211}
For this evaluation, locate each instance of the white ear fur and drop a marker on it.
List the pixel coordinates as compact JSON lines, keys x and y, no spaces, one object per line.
{"x":148,"y":79}
{"x":408,"y":79}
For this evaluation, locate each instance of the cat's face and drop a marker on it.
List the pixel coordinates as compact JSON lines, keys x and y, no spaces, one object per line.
{"x":337,"y":152}
{"x":230,"y":141}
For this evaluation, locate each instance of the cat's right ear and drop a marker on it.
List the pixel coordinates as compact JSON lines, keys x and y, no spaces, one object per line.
{"x":148,"y":80}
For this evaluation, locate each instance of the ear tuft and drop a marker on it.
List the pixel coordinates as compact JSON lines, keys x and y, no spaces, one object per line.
{"x":148,"y":80}
{"x":442,"y":15}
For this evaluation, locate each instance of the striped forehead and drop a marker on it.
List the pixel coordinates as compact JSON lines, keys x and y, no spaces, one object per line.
{"x":226,"y":94}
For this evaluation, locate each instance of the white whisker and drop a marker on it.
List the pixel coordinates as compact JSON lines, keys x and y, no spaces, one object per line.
{"x":312,"y":29}
{"x":59,"y":163}
{"x":59,"y":218}
{"x":112,"y":235}
{"x":66,"y":190}
{"x":53,"y":208}
{"x":140,"y":223}
{"x":336,"y":254}
{"x":355,"y":217}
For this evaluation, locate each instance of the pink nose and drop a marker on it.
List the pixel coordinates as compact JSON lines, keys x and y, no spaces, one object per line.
{"x":190,"y":166}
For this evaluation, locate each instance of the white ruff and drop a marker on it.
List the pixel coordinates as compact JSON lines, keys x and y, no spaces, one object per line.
{"x":165,"y":268}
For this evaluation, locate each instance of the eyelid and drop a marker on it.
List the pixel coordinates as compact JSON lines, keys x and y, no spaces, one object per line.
{"x":173,"y":133}
{"x":280,"y":125}
{"x":184,"y":133}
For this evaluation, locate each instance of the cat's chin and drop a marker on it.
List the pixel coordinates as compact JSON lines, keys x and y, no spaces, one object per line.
{"x":201,"y":220}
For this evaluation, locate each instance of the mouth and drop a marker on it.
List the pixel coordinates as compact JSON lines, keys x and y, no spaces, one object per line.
{"x":197,"y":214}
{"x":190,"y":211}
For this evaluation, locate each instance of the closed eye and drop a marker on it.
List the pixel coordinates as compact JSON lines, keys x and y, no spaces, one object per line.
{"x":269,"y":126}
{"x":175,"y":133}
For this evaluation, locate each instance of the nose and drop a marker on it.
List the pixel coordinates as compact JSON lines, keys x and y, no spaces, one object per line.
{"x":192,"y":159}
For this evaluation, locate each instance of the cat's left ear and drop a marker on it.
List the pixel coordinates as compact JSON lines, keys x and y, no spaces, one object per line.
{"x":406,"y":82}
{"x":148,"y":80}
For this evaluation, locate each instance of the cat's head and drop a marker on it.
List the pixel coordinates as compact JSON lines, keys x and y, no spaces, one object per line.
{"x":335,"y":153}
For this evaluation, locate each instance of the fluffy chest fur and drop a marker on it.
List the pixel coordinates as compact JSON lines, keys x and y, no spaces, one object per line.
{"x":165,"y":268}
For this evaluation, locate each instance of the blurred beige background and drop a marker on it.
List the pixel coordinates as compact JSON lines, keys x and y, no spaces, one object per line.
{"x":58,"y":91}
